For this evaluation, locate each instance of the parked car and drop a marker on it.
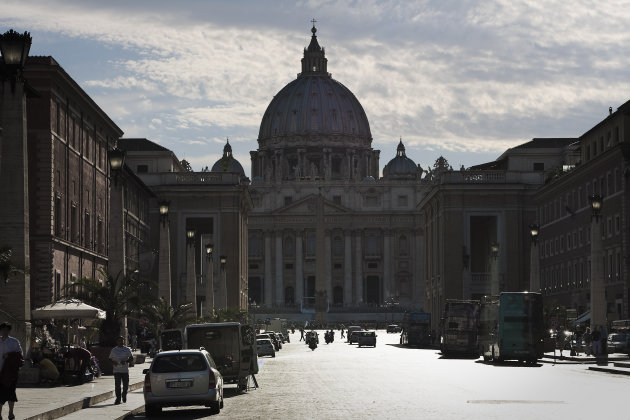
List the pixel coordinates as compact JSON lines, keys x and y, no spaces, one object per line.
{"x":182,"y":378}
{"x":272,"y":337}
{"x":282,"y":337}
{"x":276,"y":339}
{"x":394,"y":328}
{"x":354,"y":337}
{"x":366,"y":338}
{"x":617,"y":343}
{"x":265,"y":347}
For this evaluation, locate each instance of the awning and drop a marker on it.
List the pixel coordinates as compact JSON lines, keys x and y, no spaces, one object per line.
{"x":583,"y":318}
{"x":68,"y":309}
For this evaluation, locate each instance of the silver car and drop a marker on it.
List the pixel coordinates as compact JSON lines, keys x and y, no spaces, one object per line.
{"x":181,"y":378}
{"x":265,"y":347}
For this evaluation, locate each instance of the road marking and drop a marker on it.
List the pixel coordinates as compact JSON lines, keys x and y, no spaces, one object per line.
{"x":514,"y":402}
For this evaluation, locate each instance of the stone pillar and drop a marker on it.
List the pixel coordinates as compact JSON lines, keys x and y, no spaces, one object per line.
{"x":358,"y":279}
{"x":299,"y":267}
{"x":494,"y":275}
{"x":15,"y":296}
{"x":347,"y":268}
{"x":191,"y":278}
{"x":598,"y":287}
{"x":418,"y":284}
{"x":534,"y":268}
{"x":279,"y":281}
{"x":387,"y":267}
{"x":328,"y":264}
{"x":209,"y":302}
{"x":164,"y":265}
{"x":268,"y":283}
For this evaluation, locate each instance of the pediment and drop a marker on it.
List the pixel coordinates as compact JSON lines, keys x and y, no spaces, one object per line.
{"x":308,"y":205}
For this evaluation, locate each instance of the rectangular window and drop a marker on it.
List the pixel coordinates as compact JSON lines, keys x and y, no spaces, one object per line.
{"x":402,"y":200}
{"x":288,"y":200}
{"x":88,"y":229}
{"x":57,"y":216}
{"x":337,"y":199}
{"x":539,"y":166}
{"x":617,"y":224}
{"x":142,"y":169}
{"x":57,"y":291}
{"x":99,"y":235}
{"x":74,"y":231}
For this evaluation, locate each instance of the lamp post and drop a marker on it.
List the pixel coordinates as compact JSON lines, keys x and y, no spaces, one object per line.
{"x":209,"y":309}
{"x":534,"y":264}
{"x":598,"y":289}
{"x":191,"y":278}
{"x":164,"y":279}
{"x":15,"y":298}
{"x":116,"y":158}
{"x":223,"y":295}
{"x":494,"y":273}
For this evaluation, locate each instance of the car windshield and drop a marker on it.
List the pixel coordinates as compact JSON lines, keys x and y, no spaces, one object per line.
{"x":616,"y":337}
{"x":263,"y":342}
{"x":179,"y":363}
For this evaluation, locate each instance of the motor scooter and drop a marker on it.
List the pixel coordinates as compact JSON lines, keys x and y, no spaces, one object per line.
{"x":312,"y":344}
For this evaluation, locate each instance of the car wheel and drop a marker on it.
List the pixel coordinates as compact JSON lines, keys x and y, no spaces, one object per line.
{"x":215,"y":407}
{"x":153,"y":410}
{"x":273,"y":355}
{"x":359,"y":345}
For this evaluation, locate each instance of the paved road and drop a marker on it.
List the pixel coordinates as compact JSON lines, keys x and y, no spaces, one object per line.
{"x":394,"y":382}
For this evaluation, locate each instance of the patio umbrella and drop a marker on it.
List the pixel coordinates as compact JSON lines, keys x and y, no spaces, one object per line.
{"x":68,"y":309}
{"x":71,"y":309}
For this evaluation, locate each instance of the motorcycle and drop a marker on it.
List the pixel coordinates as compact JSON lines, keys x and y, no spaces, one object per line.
{"x":312,"y":344}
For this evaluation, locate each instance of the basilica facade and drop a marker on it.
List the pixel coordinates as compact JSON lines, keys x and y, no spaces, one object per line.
{"x":324,"y":222}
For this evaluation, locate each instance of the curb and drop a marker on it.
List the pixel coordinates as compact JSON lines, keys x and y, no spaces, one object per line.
{"x":132,"y":413}
{"x":610,"y":370}
{"x":81,"y":404}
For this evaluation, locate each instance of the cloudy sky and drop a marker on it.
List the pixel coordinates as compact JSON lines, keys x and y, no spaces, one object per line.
{"x":463,"y":79}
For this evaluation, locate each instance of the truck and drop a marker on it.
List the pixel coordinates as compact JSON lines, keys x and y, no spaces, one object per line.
{"x":416,"y":329}
{"x":511,"y":327}
{"x":459,"y":326}
{"x":232,"y":345}
{"x":278,"y":325}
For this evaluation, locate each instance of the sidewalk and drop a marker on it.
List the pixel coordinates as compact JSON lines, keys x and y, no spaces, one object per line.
{"x":612,"y":363}
{"x":51,"y":402}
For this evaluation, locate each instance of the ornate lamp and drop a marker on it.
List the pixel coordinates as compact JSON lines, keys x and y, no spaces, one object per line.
{"x":164,"y":210}
{"x":533,"y":231}
{"x":116,"y":158}
{"x":14,"y":48}
{"x":190,"y":235}
{"x":494,"y":250}
{"x":223,"y":261}
{"x":209,"y":249}
{"x":596,"y":206}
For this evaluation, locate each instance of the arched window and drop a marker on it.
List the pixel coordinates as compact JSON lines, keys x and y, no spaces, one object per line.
{"x":337,"y":246}
{"x":403,"y":248}
{"x":289,"y":296}
{"x":338,"y":295}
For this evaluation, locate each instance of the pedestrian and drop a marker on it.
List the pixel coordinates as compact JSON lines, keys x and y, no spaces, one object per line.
{"x":596,"y":336}
{"x":342,"y":333}
{"x":11,"y":360}
{"x":588,"y":341}
{"x":301,"y":334}
{"x":82,"y":359}
{"x":121,"y":357}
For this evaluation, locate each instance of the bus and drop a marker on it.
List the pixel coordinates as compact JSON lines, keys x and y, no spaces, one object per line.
{"x":511,"y":327}
{"x":416,"y":329}
{"x":458,"y":327}
{"x":232,"y":345}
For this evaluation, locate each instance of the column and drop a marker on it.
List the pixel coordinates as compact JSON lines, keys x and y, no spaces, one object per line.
{"x":191,"y":283}
{"x":598,"y":288}
{"x":387,"y":267}
{"x":164,"y":265}
{"x":347,"y":268}
{"x":279,"y":282}
{"x":328,"y":264}
{"x":299,"y":268}
{"x":534,"y":268}
{"x":358,"y":279}
{"x":268,"y":283}
{"x":209,"y":302}
{"x":418,"y":282}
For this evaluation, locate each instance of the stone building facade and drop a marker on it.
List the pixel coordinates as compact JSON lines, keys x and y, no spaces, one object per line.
{"x":68,"y":140}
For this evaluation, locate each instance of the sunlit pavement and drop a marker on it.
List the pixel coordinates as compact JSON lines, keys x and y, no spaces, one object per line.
{"x":393,"y":382}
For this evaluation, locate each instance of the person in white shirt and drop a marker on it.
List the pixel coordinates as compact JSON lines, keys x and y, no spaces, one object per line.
{"x":10,"y":356}
{"x":121,"y":357}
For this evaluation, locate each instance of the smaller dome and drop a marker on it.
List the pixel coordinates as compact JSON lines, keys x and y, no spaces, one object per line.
{"x":227,"y":163}
{"x":400,"y":167}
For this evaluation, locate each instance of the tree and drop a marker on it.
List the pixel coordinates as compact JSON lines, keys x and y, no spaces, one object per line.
{"x":7,"y":268}
{"x":165,"y":317}
{"x":118,"y":296}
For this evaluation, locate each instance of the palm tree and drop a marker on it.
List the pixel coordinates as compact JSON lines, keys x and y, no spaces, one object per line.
{"x":166,"y":317}
{"x":7,"y":268}
{"x":118,"y":296}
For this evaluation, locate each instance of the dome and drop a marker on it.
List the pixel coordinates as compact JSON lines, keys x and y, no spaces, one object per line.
{"x":228,"y":163}
{"x":314,"y":108}
{"x":400,"y":167}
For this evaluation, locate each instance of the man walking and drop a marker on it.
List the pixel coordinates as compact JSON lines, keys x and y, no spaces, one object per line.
{"x":121,"y":357}
{"x":11,"y":359}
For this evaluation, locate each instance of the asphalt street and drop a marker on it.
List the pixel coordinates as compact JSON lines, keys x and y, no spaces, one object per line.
{"x":394,"y":382}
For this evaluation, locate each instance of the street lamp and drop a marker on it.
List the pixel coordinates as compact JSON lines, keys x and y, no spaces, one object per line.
{"x":224,"y":299}
{"x":533,"y":231}
{"x":164,"y":211}
{"x":209,"y":249}
{"x":494,"y":250}
{"x":116,"y":158}
{"x":190,"y":235}
{"x":596,"y":206}
{"x":14,"y":48}
{"x":223,"y":261}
